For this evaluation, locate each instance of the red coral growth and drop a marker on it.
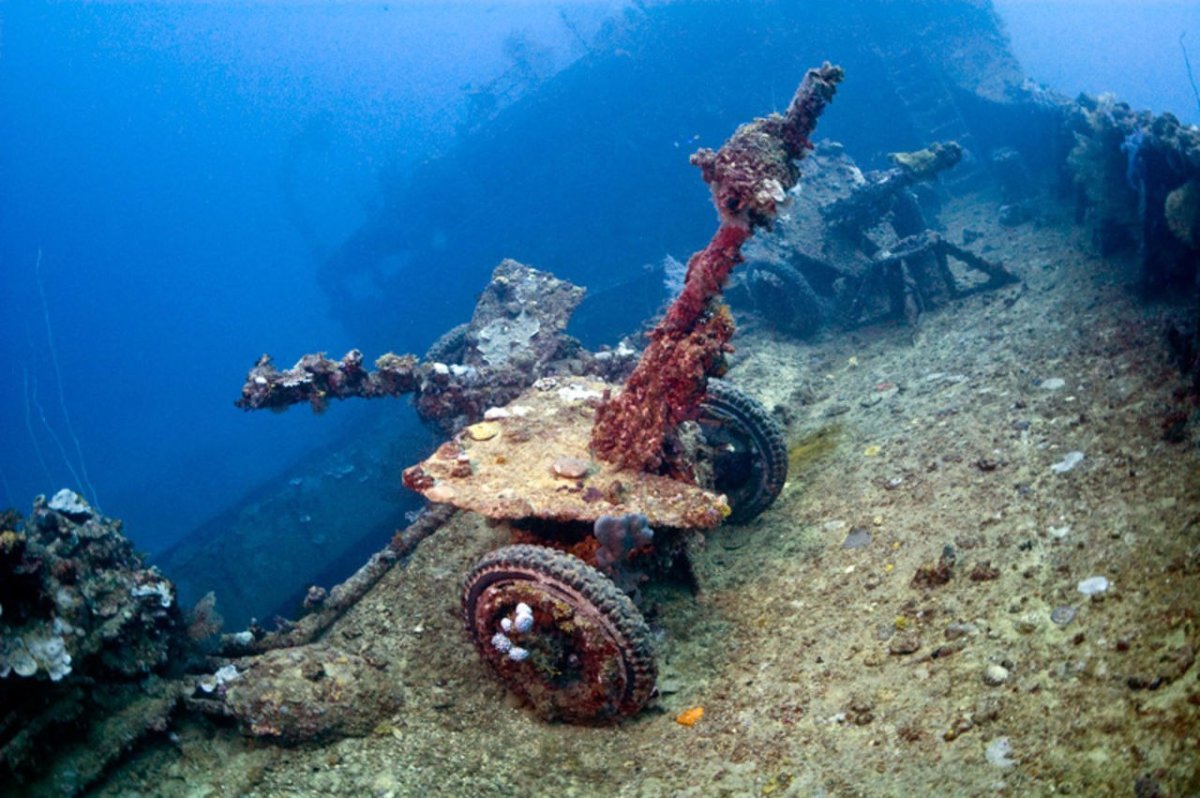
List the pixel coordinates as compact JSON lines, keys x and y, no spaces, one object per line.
{"x":664,"y":390}
{"x":706,"y":274}
{"x":748,"y":177}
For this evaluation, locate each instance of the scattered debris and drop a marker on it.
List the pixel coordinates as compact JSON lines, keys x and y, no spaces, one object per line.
{"x":1062,"y":615}
{"x":999,"y":753}
{"x":995,"y":675}
{"x":1093,"y":586}
{"x":904,"y":644}
{"x":858,"y":538}
{"x":1067,"y":463}
{"x":984,"y":572}
{"x":928,"y":576}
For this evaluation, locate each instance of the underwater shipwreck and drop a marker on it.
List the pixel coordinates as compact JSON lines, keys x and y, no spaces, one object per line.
{"x":894,"y":491}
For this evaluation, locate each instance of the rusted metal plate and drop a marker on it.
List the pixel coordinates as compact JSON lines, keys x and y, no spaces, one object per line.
{"x":530,"y":459}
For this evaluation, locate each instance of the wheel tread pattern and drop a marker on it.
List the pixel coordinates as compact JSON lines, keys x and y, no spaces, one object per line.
{"x":727,"y":402}
{"x":593,"y":593}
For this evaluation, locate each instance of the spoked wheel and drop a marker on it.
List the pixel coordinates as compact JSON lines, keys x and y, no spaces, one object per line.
{"x":560,"y":634}
{"x":746,"y":447}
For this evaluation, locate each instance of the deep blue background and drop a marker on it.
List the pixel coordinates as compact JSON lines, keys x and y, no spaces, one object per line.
{"x":144,"y":150}
{"x":1129,"y":47}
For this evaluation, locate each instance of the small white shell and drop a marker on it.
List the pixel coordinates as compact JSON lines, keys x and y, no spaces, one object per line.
{"x":518,"y":654}
{"x":1091,"y":586}
{"x":502,"y":644}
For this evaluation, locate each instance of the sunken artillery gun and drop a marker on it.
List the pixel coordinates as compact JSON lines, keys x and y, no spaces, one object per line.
{"x":555,"y":615}
{"x":588,"y":533}
{"x":597,"y":481}
{"x":858,"y":248}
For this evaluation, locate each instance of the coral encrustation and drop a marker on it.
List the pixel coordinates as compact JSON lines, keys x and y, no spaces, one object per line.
{"x":749,"y":176}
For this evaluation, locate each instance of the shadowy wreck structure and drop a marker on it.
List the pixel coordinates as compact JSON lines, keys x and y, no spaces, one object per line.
{"x":933,"y":70}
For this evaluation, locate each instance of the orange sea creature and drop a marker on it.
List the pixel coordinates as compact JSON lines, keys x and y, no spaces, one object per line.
{"x":690,"y":716}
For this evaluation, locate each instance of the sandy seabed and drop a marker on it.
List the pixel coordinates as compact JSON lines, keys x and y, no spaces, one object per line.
{"x":823,"y":670}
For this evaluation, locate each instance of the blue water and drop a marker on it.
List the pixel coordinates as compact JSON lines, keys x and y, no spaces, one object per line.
{"x":1128,"y":47}
{"x":175,"y":166}
{"x":171,"y":176}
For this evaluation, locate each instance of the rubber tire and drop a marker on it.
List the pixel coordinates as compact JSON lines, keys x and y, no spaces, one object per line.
{"x":783,"y":296}
{"x":591,"y":658}
{"x":727,"y":410}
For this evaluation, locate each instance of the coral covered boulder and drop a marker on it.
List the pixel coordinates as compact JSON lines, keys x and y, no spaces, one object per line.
{"x":306,"y":693}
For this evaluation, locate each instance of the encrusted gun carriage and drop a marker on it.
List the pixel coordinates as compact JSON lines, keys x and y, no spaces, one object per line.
{"x":598,"y":481}
{"x":555,"y":615}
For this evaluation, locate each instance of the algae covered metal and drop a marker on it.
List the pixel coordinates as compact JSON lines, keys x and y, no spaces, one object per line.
{"x":530,"y":459}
